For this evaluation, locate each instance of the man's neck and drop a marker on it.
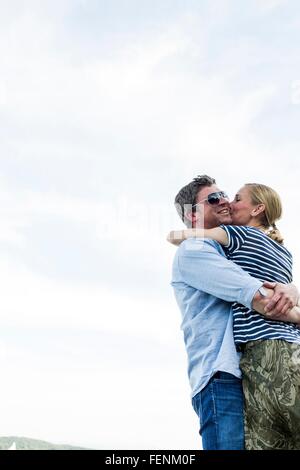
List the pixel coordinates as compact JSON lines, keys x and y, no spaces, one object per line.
{"x":204,"y":227}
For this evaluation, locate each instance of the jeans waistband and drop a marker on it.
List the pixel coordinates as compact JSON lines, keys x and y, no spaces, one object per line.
{"x":222,"y":375}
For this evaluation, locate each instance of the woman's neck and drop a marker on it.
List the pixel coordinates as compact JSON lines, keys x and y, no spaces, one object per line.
{"x":257,"y":225}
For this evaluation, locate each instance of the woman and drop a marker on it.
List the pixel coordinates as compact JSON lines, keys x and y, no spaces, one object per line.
{"x":270,"y":349}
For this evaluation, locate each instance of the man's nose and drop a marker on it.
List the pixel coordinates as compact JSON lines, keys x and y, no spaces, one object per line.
{"x":224,"y":202}
{"x":223,"y":197}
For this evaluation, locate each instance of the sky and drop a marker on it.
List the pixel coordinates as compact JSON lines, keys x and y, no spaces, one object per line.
{"x":108,"y":108}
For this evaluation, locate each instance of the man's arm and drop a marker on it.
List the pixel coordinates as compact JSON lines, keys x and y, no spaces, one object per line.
{"x":204,"y":267}
{"x":264,"y":297}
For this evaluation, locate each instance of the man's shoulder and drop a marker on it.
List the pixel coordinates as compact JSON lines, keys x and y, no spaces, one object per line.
{"x":194,"y":246}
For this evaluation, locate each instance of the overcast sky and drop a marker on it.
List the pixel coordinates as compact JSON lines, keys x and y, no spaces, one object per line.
{"x":107,"y":108}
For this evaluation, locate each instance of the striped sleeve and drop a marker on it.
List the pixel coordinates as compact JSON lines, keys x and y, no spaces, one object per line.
{"x":236,"y":237}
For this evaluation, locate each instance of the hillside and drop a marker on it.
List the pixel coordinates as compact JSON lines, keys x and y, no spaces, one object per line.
{"x":24,"y":443}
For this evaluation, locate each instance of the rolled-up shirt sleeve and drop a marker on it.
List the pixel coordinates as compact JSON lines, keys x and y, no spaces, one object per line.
{"x":203,"y":265}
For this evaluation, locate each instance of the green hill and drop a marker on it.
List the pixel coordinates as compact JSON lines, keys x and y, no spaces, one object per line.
{"x":24,"y":443}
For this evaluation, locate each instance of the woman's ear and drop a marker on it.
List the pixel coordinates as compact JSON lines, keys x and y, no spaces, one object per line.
{"x":258,"y":210}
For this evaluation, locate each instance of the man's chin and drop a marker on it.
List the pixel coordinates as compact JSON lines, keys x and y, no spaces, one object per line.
{"x":226,"y":220}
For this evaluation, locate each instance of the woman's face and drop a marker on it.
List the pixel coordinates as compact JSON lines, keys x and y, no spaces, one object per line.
{"x":242,"y":207}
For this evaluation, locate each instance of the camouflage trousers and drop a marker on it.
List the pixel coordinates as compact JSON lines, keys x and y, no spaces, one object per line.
{"x":271,"y":385}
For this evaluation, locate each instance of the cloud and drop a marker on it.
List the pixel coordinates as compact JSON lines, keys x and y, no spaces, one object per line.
{"x":269,"y":5}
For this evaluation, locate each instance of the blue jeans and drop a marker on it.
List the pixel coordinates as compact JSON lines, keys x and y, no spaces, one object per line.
{"x":219,"y":407}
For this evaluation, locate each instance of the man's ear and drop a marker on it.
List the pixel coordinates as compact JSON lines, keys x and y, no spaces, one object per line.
{"x":258,"y":210}
{"x":193,"y":216}
{"x":190,"y":215}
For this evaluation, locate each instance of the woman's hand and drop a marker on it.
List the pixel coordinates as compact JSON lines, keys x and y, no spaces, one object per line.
{"x":176,"y":237}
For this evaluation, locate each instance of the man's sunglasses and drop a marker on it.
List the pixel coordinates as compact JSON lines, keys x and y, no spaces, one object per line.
{"x":213,"y":198}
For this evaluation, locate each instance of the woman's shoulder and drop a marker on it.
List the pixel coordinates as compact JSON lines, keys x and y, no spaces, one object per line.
{"x":236,"y":229}
{"x":270,"y":243}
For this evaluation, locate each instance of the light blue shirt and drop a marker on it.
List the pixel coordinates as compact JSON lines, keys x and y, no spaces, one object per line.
{"x":205,"y":285}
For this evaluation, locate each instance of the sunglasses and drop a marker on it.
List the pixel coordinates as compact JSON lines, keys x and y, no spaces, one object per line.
{"x":213,"y":198}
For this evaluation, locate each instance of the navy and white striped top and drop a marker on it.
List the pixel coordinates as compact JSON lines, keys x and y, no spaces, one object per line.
{"x":266,"y":260}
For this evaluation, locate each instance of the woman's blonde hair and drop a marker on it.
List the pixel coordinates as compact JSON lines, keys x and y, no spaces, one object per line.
{"x":262,"y":194}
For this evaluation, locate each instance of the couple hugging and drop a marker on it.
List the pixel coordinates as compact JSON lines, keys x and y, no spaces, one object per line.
{"x":240,"y":317}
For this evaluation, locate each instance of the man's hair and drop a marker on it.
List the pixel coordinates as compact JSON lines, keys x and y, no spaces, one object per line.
{"x":187,"y":196}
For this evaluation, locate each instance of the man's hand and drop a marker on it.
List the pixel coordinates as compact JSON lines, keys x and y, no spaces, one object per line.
{"x":285,"y":297}
{"x":264,"y":296}
{"x":261,"y":300}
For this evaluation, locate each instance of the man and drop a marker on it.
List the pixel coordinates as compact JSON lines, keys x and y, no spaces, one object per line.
{"x":205,"y":285}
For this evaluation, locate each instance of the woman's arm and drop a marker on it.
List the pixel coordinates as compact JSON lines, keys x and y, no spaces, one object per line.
{"x":218,"y":234}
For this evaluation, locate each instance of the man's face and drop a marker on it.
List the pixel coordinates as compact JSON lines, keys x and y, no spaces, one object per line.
{"x":211,"y":216}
